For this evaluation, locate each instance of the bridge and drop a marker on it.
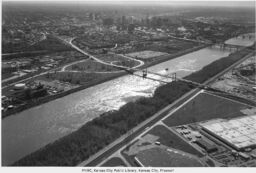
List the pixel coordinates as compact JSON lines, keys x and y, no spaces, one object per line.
{"x":174,"y":77}
{"x":224,"y":46}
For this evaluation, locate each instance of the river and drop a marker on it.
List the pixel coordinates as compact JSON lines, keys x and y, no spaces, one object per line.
{"x":32,"y":129}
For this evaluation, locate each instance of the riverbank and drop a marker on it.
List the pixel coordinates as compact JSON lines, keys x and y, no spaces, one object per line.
{"x":75,"y":147}
{"x":40,"y":101}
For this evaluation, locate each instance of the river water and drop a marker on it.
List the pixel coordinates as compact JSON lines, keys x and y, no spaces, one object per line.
{"x":32,"y":129}
{"x":242,"y":40}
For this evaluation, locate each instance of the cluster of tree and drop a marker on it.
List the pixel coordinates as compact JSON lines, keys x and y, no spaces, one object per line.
{"x":96,"y":134}
{"x":247,"y":72}
{"x":24,"y":54}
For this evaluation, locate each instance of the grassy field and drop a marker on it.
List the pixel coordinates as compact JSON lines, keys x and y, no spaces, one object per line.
{"x":91,"y":66}
{"x":113,"y":162}
{"x":146,"y":142}
{"x":161,"y":157}
{"x":112,"y":57}
{"x":168,"y":138}
{"x":204,"y":107}
{"x":146,"y":54}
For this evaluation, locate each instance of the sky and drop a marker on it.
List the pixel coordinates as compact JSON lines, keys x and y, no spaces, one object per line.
{"x":227,"y":3}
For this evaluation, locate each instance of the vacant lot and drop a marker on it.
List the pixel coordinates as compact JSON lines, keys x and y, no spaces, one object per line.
{"x":204,"y":107}
{"x":112,"y":57}
{"x":240,"y":80}
{"x":146,"y":54}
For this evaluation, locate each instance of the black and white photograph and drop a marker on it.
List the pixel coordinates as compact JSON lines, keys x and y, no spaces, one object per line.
{"x":128,"y":85}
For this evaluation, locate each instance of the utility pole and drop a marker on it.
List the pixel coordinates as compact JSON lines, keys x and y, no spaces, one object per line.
{"x":174,"y":78}
{"x":144,"y":73}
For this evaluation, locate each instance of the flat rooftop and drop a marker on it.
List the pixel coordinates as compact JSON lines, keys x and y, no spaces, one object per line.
{"x":239,"y":132}
{"x":162,"y":157}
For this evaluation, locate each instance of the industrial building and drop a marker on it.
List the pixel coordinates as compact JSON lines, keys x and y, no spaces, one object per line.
{"x":209,"y":148}
{"x":239,"y":133}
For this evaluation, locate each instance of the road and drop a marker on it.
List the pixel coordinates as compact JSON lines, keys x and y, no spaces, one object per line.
{"x":123,"y":140}
{"x":65,"y":66}
{"x":69,"y":42}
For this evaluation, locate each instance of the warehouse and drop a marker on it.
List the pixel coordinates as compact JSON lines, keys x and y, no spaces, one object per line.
{"x":209,"y":148}
{"x":238,"y":133}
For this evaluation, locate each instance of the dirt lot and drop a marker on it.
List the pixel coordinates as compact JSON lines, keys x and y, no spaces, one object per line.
{"x":240,"y":81}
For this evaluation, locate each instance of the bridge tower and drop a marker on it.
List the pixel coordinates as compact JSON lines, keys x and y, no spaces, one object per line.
{"x":233,"y":71}
{"x":144,"y":73}
{"x":174,"y":77}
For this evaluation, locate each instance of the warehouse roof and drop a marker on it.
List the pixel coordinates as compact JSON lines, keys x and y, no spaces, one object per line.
{"x":239,"y":132}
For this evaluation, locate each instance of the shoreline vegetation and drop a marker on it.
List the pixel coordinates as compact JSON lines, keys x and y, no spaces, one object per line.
{"x":93,"y":136}
{"x":40,"y":101}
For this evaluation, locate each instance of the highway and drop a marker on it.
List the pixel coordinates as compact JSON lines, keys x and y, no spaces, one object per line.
{"x":123,"y":140}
